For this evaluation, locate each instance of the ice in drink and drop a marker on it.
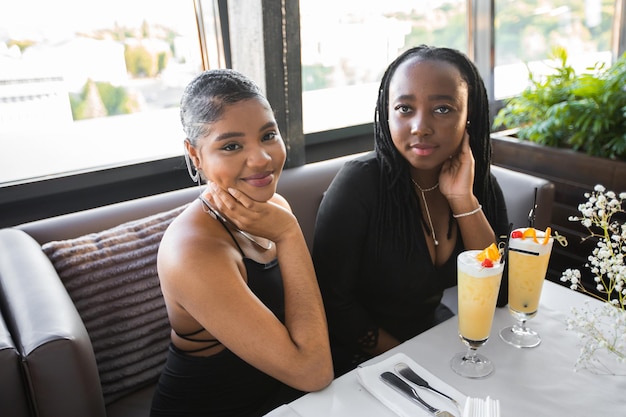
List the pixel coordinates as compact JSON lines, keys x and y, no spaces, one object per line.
{"x":478,"y":287}
{"x":528,"y":262}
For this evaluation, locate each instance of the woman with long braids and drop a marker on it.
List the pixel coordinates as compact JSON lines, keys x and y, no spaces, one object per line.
{"x":249,"y":331}
{"x":392,"y":223}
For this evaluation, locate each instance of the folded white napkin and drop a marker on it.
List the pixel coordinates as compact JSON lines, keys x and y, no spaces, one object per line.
{"x":369,"y":378}
{"x":283,"y":411}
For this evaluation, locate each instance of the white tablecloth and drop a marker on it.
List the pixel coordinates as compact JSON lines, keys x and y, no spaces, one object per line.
{"x":528,"y":382}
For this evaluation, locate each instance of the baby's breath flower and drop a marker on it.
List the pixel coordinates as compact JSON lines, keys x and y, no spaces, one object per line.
{"x":602,"y":329}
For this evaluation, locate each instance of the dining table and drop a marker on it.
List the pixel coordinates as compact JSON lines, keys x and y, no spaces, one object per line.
{"x":539,"y":381}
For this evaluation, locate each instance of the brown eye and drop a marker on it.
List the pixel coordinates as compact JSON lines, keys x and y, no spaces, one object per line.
{"x":403,"y":109}
{"x":270,"y":136}
{"x":231,"y":147}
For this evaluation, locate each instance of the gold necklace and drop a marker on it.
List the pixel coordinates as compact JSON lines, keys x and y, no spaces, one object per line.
{"x":430,"y":221}
{"x":213,"y":211}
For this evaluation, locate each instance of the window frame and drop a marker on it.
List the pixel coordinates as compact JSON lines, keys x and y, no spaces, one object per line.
{"x":30,"y":200}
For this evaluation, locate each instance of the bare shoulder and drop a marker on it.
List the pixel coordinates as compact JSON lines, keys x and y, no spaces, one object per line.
{"x":199,"y":267}
{"x":192,"y":243}
{"x":186,"y":231}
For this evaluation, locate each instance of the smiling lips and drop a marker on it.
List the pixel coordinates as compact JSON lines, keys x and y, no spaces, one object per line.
{"x":422,"y":149}
{"x":260,"y":180}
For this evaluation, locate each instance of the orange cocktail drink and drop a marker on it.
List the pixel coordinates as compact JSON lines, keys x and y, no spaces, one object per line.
{"x":528,"y":264}
{"x":528,"y":257}
{"x":478,"y":279}
{"x":478,"y":288}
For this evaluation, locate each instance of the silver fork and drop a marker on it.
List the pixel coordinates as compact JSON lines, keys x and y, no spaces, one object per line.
{"x":399,"y":385}
{"x":404,"y":370}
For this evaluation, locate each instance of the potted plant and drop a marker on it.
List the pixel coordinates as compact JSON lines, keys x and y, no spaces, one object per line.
{"x":585,"y":112}
{"x":570,"y":128}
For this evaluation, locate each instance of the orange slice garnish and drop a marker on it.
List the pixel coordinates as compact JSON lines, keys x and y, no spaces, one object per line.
{"x":491,"y":252}
{"x":546,"y":238}
{"x":530,"y":232}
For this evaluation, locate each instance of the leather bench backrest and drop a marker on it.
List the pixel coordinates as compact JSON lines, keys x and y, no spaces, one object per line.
{"x":304,"y":187}
{"x":13,"y":400}
{"x":519,"y":189}
{"x":56,"y":356}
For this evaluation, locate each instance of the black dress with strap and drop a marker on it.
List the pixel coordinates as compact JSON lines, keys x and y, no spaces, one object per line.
{"x":366,"y":282}
{"x":223,"y":384}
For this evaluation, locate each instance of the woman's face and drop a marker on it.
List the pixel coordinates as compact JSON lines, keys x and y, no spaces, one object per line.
{"x":427,"y":111}
{"x":243,"y":150}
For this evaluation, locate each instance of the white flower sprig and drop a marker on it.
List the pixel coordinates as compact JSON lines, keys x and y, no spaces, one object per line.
{"x":602,"y":332}
{"x":603,"y":329}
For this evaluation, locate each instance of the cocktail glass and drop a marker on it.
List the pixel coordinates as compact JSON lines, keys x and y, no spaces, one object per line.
{"x":478,"y":288}
{"x":528,"y":259}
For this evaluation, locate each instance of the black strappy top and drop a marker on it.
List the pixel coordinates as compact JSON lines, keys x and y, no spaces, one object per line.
{"x":223,"y":384}
{"x":263,"y":279}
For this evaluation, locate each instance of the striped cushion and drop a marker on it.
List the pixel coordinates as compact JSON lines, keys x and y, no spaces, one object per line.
{"x":112,"y":278}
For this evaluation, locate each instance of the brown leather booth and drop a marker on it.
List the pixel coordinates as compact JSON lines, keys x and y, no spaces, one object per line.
{"x":47,"y":359}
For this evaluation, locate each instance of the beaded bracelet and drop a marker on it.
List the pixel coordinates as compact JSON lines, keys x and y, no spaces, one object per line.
{"x":469,"y":213}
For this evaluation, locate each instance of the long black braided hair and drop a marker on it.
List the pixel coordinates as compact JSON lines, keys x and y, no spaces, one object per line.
{"x":398,"y":204}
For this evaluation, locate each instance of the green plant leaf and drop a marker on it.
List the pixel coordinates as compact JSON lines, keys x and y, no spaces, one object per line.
{"x":586,"y":111}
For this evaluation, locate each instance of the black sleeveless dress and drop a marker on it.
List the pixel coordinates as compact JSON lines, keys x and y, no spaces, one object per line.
{"x":223,"y":384}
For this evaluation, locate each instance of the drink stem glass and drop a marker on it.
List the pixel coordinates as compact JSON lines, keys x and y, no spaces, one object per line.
{"x":519,"y":335}
{"x":528,"y":258}
{"x":471,"y":364}
{"x":521,"y":328}
{"x":478,"y":287}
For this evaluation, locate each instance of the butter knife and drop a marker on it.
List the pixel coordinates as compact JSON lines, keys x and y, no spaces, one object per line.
{"x":399,"y":385}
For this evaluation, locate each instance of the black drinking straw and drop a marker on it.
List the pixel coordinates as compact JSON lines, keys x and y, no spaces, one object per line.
{"x":505,"y":251}
{"x":531,"y":213}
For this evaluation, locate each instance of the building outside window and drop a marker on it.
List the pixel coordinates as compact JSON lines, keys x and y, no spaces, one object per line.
{"x":100,"y":88}
{"x":347,"y":45}
{"x":526,"y":30}
{"x":94,"y":88}
{"x":342,"y":63}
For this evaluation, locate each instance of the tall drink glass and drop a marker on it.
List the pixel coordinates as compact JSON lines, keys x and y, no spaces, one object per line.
{"x":528,"y":262}
{"x":478,"y":288}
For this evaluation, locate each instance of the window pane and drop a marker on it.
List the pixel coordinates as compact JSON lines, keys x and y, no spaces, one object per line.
{"x":97,"y":87}
{"x":526,"y":31}
{"x":342,"y":64}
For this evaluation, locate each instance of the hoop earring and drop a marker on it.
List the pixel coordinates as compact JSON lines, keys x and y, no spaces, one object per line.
{"x":195,"y":177}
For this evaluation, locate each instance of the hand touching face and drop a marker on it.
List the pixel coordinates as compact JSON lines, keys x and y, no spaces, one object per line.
{"x":456,"y":178}
{"x":271,"y":219}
